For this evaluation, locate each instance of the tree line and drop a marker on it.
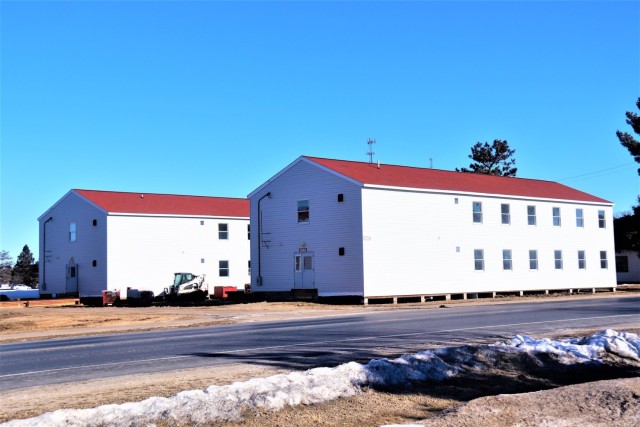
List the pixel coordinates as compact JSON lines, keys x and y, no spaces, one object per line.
{"x":24,"y":271}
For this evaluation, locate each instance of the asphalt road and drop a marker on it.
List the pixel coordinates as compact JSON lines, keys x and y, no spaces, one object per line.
{"x":303,"y":343}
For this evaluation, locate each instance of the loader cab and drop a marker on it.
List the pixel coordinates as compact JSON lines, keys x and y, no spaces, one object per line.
{"x":181,"y":278}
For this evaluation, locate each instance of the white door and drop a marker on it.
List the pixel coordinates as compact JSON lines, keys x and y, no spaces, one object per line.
{"x":72,"y":278}
{"x":304,"y":273}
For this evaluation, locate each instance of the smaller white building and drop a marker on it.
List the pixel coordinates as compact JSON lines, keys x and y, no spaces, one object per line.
{"x":92,"y":241}
{"x":627,"y":267}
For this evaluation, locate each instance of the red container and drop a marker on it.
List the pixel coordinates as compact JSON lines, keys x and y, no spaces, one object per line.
{"x":220,"y":292}
{"x":109,"y":297}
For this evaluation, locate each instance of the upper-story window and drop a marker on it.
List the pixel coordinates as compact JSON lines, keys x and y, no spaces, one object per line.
{"x":72,"y":232}
{"x":579,"y":217}
{"x":223,"y":231}
{"x":248,"y":231}
{"x":477,"y":211}
{"x":556,"y":217}
{"x":602,"y":223}
{"x":303,"y":211}
{"x":531,"y":215}
{"x":505,"y":209}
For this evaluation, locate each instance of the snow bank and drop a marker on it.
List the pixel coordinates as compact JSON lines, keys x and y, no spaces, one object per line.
{"x":222,"y":403}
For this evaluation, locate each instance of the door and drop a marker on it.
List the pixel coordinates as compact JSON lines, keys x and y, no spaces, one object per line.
{"x":72,"y":278}
{"x":304,"y":271}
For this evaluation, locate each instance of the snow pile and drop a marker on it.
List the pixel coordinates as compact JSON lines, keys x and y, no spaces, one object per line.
{"x":223,"y":403}
{"x":587,"y":349}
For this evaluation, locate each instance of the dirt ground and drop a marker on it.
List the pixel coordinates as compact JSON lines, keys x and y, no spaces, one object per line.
{"x":502,"y":397}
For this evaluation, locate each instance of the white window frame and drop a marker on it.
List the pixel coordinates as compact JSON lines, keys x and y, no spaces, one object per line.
{"x":223,"y":268}
{"x":73,"y":232}
{"x":579,"y":217}
{"x":602,"y":219}
{"x":507,"y":259}
{"x":506,"y":216}
{"x":531,"y":217}
{"x":301,"y":205}
{"x":533,"y":259}
{"x":557,"y":259}
{"x":223,"y":231}
{"x":478,"y":259}
{"x":476,"y":207}
{"x":582,"y":260}
{"x":557,"y":219}
{"x":604,"y":263}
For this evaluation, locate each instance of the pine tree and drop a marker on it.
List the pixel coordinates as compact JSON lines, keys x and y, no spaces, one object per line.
{"x":627,"y":140}
{"x":492,"y":159}
{"x":23,"y":271}
{"x":5,"y":266}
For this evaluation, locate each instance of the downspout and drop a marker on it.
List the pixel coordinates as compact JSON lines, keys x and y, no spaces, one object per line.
{"x":259,"y":280}
{"x":44,"y":254}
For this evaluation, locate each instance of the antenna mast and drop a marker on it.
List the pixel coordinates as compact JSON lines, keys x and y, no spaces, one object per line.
{"x":370,"y":153}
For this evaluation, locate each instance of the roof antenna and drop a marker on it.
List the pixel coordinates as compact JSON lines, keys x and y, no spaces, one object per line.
{"x":378,"y":163}
{"x":430,"y":162}
{"x":370,"y":153}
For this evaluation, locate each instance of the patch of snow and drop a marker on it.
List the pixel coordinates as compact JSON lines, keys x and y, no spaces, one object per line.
{"x":223,"y":403}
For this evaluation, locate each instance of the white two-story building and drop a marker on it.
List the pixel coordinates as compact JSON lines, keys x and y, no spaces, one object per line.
{"x":92,"y":241}
{"x":343,"y":228}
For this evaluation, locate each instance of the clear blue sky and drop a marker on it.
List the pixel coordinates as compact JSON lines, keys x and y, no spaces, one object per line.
{"x":213,"y":98}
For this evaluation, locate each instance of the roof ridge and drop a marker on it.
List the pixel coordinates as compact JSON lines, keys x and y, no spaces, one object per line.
{"x":159,"y":194}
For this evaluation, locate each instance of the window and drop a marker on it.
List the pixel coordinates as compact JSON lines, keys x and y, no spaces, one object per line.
{"x":531,"y":215}
{"x":533,"y":259}
{"x":582,"y":262}
{"x":340,"y":198}
{"x":72,"y":232}
{"x":601,"y":221}
{"x":248,"y":231}
{"x":506,"y":213}
{"x":478,"y":257}
{"x":579,"y":218}
{"x":557,"y":256}
{"x":223,"y":231}
{"x":455,"y":200}
{"x":622,"y":263}
{"x":506,"y":258}
{"x":249,"y":267}
{"x":95,"y":222}
{"x":477,"y":212}
{"x":341,"y":251}
{"x":223,"y":268}
{"x":603,"y":260}
{"x":94,"y":263}
{"x":201,"y":222}
{"x":303,"y":211}
{"x":556,"y":217}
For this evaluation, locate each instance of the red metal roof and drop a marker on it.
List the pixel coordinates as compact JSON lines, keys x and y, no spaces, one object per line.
{"x":434,"y":179}
{"x":166,"y":204}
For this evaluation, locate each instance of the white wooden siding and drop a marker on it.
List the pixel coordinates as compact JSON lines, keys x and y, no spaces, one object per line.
{"x":90,"y":245}
{"x":423,"y":243}
{"x":332,"y":225}
{"x":145,"y":251}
